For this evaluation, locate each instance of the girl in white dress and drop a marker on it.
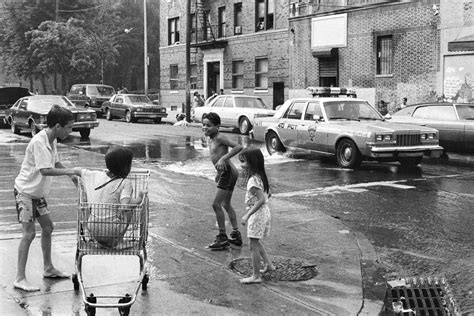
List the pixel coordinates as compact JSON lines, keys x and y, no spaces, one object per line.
{"x":257,"y":216}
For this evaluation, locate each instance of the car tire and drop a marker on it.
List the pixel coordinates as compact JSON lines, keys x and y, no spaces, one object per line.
{"x":34,"y":129}
{"x":274,"y":145}
{"x":129,"y":118}
{"x":15,"y":130}
{"x":347,"y":154}
{"x":157,"y":120}
{"x":85,"y":132}
{"x":108,"y":115}
{"x":410,"y":161}
{"x":244,"y":126}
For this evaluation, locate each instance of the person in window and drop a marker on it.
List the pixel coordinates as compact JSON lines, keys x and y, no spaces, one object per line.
{"x":383,"y":107}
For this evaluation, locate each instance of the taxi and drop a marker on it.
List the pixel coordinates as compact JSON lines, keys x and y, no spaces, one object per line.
{"x":334,"y":122}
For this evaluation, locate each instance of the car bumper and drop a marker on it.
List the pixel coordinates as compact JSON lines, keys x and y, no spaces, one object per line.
{"x":149,"y":115}
{"x":82,"y":125}
{"x":406,"y":151}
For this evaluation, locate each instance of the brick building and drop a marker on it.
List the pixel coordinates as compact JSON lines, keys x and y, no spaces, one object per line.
{"x":456,"y":81}
{"x":387,"y":50}
{"x":238,"y":46}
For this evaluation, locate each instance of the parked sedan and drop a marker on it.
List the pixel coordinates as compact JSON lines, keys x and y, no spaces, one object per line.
{"x":349,"y":128}
{"x":454,"y":121}
{"x":133,"y":107}
{"x":236,"y":111}
{"x":8,"y":96}
{"x":29,"y":113}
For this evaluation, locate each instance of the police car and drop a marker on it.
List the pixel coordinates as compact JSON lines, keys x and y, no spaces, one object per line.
{"x":335,"y":122}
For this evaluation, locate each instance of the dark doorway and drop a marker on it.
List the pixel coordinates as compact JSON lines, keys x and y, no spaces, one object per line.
{"x":278,"y":94}
{"x":328,"y":71}
{"x":213,"y":77}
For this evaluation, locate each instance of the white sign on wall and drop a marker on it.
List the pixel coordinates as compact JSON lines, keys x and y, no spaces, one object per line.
{"x":329,"y":32}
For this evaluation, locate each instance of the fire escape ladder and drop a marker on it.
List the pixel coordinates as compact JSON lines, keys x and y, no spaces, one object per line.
{"x":206,"y":34}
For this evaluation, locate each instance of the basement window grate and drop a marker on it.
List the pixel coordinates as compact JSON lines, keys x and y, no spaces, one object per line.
{"x":429,"y":296}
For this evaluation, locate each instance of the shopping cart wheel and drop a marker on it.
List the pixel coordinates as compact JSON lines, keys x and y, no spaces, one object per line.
{"x":145,"y":280}
{"x":75,"y":281}
{"x":89,"y":309}
{"x":125,"y":311}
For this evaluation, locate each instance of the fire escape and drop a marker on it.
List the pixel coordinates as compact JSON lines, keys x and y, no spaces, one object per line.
{"x":206,"y":35}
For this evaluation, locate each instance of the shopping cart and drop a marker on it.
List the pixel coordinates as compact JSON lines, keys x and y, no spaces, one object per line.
{"x":100,"y":233}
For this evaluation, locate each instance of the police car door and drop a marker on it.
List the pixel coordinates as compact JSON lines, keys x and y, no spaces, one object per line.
{"x":309,"y":131}
{"x":288,"y":124}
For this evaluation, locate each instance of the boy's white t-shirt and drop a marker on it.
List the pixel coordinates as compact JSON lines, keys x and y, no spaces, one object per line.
{"x":112,"y":193}
{"x":39,"y":154}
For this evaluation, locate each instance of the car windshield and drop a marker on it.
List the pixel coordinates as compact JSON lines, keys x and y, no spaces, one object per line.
{"x":465,"y":111}
{"x":138,"y":99}
{"x":350,"y":110}
{"x":40,"y":105}
{"x":257,"y":103}
{"x":100,"y":90}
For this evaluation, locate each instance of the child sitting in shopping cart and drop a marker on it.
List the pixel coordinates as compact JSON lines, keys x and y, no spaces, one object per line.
{"x":110,"y":197}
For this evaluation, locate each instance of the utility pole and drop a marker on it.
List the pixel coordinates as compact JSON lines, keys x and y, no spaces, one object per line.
{"x":188,"y":60}
{"x":145,"y":49}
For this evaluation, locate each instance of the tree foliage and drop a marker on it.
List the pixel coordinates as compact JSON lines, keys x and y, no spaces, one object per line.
{"x":86,"y":42}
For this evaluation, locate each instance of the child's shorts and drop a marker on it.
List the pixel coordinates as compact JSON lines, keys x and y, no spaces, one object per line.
{"x":28,"y":209}
{"x":258,"y":225}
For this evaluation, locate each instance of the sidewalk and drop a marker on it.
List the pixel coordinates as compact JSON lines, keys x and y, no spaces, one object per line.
{"x":185,"y":277}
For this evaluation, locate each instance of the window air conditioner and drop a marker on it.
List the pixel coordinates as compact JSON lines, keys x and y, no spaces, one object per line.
{"x":238,"y":30}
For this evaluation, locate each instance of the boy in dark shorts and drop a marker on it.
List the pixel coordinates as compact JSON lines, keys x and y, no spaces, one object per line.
{"x":226,"y":178}
{"x":32,"y":185}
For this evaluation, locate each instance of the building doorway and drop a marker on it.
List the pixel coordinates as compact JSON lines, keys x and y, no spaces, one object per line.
{"x":278,"y":94}
{"x":213,"y":77}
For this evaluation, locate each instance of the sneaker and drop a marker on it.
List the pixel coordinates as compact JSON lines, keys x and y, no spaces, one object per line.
{"x":235,"y":238}
{"x":220,"y":243}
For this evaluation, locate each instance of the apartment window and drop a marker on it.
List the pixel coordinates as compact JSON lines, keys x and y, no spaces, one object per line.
{"x":261,"y":73}
{"x":237,"y":18}
{"x":238,"y":75}
{"x":206,"y":29}
{"x":193,"y":76}
{"x":173,"y":31}
{"x":221,"y":22}
{"x":384,"y":55}
{"x":173,"y":77}
{"x":193,"y":23}
{"x":264,"y":14}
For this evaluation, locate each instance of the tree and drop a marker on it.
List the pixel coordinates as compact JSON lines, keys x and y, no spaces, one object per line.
{"x":60,"y":47}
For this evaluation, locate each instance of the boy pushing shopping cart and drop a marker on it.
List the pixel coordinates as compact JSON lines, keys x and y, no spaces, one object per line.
{"x":112,"y":220}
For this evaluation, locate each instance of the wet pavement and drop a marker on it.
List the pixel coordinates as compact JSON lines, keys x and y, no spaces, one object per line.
{"x":186,"y":278}
{"x":180,"y":228}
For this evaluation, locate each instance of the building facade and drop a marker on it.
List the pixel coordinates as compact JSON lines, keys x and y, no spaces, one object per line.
{"x":237,"y":46}
{"x":386,"y":50}
{"x":456,"y":80}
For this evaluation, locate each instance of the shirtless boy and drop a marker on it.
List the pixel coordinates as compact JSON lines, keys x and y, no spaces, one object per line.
{"x":226,"y":178}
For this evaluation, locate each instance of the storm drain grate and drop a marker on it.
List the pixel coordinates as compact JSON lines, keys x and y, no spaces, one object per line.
{"x":419,"y":296}
{"x":286,"y":269}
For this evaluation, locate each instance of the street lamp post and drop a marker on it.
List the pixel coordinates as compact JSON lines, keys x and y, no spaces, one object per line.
{"x":145,"y":49}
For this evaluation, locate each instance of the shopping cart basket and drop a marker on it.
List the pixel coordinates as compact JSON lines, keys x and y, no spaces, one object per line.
{"x":113,"y":229}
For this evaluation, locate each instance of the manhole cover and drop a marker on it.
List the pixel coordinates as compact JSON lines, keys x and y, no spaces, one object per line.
{"x":286,"y":269}
{"x":419,"y":296}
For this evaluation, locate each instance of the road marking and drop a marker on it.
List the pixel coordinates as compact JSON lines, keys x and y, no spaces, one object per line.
{"x":353,"y":188}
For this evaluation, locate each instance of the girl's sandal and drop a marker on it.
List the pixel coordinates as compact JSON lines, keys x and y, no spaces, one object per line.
{"x":251,"y":280}
{"x":266,"y":269}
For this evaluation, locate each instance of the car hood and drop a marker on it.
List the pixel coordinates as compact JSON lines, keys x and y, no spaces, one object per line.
{"x":73,"y":110}
{"x":381,"y":127}
{"x":144,"y":105}
{"x":10,"y":95}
